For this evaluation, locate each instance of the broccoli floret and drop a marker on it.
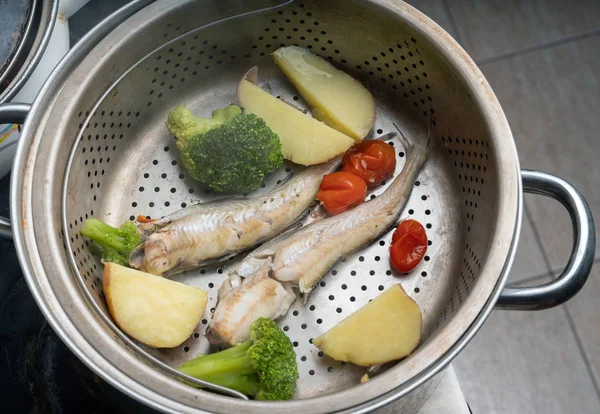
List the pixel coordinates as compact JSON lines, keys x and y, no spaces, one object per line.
{"x":264,"y":367}
{"x":230,"y":152}
{"x":117,"y":244}
{"x":184,"y":125}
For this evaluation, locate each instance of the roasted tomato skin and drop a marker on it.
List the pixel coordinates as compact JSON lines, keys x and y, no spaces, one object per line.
{"x":341,"y":191}
{"x":372,"y":160}
{"x":409,"y":245}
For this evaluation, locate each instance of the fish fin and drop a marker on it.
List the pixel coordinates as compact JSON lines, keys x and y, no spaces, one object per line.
{"x":297,"y":291}
{"x":146,"y":229}
{"x":232,"y":282}
{"x":181,"y":267}
{"x":407,"y":144}
{"x":218,"y":260}
{"x":184,"y":266}
{"x":429,"y":131}
{"x":285,"y":180}
{"x":288,"y":288}
{"x":136,"y":257}
{"x":306,"y":287}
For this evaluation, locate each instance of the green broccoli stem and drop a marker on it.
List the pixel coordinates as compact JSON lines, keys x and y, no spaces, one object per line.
{"x":230,"y":361}
{"x":231,"y":368}
{"x":246,"y":384}
{"x":108,"y":237}
{"x":233,"y":352}
{"x":201,"y":369}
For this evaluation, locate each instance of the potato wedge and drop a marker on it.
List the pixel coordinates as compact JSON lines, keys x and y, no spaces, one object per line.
{"x":335,"y":97}
{"x":156,"y":311}
{"x":304,"y":140}
{"x":386,"y":329}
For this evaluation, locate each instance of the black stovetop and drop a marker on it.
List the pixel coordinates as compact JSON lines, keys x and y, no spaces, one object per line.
{"x":38,"y":373}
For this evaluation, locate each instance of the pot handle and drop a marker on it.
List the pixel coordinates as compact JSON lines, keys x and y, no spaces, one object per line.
{"x":576,"y":272}
{"x":11,"y":113}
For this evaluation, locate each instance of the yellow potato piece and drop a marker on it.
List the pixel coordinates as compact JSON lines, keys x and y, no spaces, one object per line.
{"x":335,"y":97}
{"x":304,"y":140}
{"x":386,"y":329}
{"x":156,"y":311}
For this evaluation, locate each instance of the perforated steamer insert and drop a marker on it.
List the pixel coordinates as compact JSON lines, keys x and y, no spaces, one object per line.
{"x":121,"y":162}
{"x":134,"y":169}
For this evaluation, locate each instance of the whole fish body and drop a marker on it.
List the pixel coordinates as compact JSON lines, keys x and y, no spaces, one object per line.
{"x":300,"y":259}
{"x":200,"y":233}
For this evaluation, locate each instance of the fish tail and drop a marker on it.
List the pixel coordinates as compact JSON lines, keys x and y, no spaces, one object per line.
{"x":408,"y":146}
{"x":422,"y":147}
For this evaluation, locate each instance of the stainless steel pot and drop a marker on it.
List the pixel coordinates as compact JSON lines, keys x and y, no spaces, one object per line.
{"x":94,"y":145}
{"x":30,"y":49}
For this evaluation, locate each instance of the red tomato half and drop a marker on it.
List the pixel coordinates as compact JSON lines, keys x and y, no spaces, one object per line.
{"x":373,"y":161}
{"x":409,"y":244}
{"x":341,"y":191}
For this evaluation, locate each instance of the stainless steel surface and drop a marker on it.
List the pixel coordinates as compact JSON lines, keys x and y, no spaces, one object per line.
{"x":158,"y":187}
{"x":12,"y":113}
{"x":16,"y":56}
{"x":5,"y":232}
{"x":105,"y":107}
{"x":48,"y":16}
{"x":576,"y":272}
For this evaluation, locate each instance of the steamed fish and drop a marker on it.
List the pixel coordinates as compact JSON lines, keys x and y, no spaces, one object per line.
{"x":253,"y":294}
{"x":300,"y":259}
{"x":193,"y":236}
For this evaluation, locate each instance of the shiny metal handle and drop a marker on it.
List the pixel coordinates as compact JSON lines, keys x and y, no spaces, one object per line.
{"x":576,"y":272}
{"x":5,"y":232}
{"x":11,"y":113}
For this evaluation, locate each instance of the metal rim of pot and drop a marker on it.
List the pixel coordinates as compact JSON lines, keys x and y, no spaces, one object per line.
{"x":26,"y":38}
{"x":31,"y":48}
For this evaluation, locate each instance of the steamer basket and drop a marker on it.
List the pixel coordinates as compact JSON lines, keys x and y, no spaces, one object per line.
{"x":95,"y":145}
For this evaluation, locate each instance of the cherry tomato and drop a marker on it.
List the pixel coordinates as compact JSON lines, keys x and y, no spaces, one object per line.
{"x":409,"y":244}
{"x":341,"y":191}
{"x":373,"y":161}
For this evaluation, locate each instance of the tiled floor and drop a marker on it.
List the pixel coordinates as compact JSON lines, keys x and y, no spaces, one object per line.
{"x":542,"y":59}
